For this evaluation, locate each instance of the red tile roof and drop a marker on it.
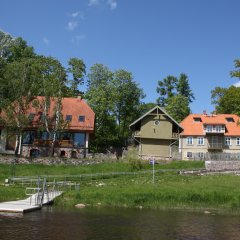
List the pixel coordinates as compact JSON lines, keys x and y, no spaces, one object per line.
{"x":70,"y":106}
{"x":193,"y":128}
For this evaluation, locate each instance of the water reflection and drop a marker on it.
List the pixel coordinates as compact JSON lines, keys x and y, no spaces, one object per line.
{"x":101,"y":223}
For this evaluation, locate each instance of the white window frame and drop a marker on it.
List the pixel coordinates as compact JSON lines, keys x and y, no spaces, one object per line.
{"x":201,"y":155}
{"x":201,"y":141}
{"x":209,"y":128}
{"x":228,"y":141}
{"x":189,"y":154}
{"x":219,"y":128}
{"x":238,"y":141}
{"x":189,"y":140}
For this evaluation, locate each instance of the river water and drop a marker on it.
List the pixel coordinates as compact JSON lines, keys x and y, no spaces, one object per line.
{"x":117,"y":223}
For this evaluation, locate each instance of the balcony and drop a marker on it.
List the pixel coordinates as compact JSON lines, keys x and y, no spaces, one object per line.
{"x":215,"y":146}
{"x":175,"y":135}
{"x":137,"y":133}
{"x":58,"y":143}
{"x":214,"y":129}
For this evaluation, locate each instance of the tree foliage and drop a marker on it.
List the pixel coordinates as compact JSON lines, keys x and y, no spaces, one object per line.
{"x":178,"y":107}
{"x":78,"y":70}
{"x":227,"y":100}
{"x":18,"y":87}
{"x":115,"y":98}
{"x":172,"y":90}
{"x":127,"y":96}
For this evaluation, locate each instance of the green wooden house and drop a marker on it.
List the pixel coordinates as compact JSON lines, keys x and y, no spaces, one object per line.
{"x":155,"y":133}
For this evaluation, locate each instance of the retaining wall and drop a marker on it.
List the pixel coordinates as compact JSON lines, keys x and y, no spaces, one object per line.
{"x":222,"y":165}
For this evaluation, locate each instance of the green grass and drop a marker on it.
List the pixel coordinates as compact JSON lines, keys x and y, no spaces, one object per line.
{"x":170,"y":190}
{"x":11,"y":193}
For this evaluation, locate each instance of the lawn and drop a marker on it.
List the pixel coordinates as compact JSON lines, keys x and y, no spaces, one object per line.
{"x":170,"y":190}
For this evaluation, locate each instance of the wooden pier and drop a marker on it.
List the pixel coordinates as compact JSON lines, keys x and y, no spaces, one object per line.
{"x":32,"y":203}
{"x":38,"y":196}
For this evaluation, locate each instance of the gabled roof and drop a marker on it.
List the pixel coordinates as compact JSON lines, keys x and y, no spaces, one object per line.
{"x":193,"y":128}
{"x":70,"y":106}
{"x":150,"y":111}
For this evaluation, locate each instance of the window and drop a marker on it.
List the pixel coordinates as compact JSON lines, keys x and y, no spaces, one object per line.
{"x":218,"y":128}
{"x":79,"y":139}
{"x":189,"y":154}
{"x":209,"y":128}
{"x":227,"y":141}
{"x":197,"y":119}
{"x":201,"y":155}
{"x":238,"y":141}
{"x":81,"y":118}
{"x":43,"y":136}
{"x":69,"y":118}
{"x":189,"y":140}
{"x":28,"y":137}
{"x":157,"y":122}
{"x":200,"y":141}
{"x":230,"y":119}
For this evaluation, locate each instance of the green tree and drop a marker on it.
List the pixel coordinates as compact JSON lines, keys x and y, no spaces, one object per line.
{"x":226,"y":100}
{"x":178,"y":107}
{"x":166,"y":88}
{"x":6,"y":41}
{"x":78,"y":70}
{"x":173,"y":89}
{"x":52,"y":81}
{"x":99,"y":95}
{"x":18,"y":82}
{"x":183,"y":87}
{"x":236,"y":73}
{"x":127,"y":99}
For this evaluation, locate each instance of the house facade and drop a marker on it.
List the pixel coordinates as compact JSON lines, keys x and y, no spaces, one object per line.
{"x":72,"y":139}
{"x":206,"y":134}
{"x":155,"y":133}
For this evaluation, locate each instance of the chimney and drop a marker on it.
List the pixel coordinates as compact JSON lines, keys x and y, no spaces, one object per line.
{"x":204,"y":112}
{"x":79,"y":97}
{"x":214,"y":113}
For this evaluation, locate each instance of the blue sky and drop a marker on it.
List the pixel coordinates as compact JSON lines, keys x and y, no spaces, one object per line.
{"x":150,"y":38}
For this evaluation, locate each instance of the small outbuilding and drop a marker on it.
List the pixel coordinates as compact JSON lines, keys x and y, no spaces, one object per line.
{"x":155,"y":133}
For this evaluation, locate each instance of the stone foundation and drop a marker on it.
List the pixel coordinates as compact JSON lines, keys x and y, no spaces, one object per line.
{"x":222,"y":165}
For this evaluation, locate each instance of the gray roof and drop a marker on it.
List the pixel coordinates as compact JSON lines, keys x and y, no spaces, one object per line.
{"x":156,"y":107}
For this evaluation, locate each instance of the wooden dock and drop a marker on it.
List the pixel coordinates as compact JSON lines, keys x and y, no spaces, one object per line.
{"x":29,"y":204}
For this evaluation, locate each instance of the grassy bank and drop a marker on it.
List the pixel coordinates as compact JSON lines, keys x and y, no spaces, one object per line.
{"x":170,"y":190}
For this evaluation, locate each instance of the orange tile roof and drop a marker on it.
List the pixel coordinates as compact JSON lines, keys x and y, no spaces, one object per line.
{"x":192,"y":128}
{"x":70,"y":106}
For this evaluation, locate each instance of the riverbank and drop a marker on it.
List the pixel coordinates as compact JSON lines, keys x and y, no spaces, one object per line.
{"x":170,"y":190}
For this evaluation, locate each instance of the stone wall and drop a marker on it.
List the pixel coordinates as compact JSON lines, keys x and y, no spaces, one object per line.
{"x":90,"y":159}
{"x":222,"y":165}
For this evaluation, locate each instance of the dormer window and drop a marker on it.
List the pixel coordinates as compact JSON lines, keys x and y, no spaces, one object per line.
{"x":197,"y":119}
{"x":81,"y":118}
{"x":230,"y":119}
{"x":69,"y":118}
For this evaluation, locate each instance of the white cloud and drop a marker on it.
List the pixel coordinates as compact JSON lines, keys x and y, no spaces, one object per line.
{"x":93,"y":2}
{"x":77,"y":14}
{"x":112,"y":4}
{"x":78,"y":38}
{"x":72,"y":25}
{"x":46,"y":41}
